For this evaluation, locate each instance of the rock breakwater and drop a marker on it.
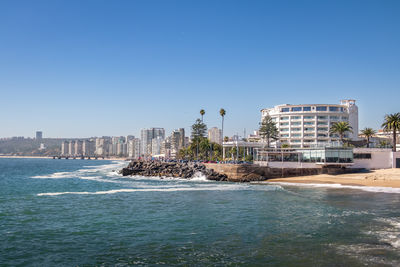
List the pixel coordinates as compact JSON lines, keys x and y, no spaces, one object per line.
{"x":171,"y":169}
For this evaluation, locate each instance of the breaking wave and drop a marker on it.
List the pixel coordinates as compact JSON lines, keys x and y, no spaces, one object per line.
{"x":162,"y":189}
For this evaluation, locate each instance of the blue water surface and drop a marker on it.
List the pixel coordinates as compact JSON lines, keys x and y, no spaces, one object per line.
{"x":83,"y":213}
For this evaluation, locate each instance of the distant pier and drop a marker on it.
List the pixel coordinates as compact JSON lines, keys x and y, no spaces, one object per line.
{"x":78,"y":157}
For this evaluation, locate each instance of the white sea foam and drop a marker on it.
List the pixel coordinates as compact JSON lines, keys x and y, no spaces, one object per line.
{"x":366,"y":253}
{"x":389,"y":234}
{"x":56,"y":175}
{"x":375,"y":189}
{"x":109,"y":170}
{"x":133,"y":190}
{"x":199,"y":177}
{"x":226,"y":187}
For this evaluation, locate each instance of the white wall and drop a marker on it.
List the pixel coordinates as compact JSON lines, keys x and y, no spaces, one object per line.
{"x":380,"y":159}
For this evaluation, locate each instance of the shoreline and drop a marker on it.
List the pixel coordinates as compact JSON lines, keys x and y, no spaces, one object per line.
{"x":389,"y":178}
{"x":48,"y":157}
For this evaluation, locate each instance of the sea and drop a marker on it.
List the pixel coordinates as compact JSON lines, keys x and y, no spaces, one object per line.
{"x":83,"y":213}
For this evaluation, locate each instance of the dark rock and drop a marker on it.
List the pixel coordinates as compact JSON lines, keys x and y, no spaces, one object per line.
{"x":171,"y":169}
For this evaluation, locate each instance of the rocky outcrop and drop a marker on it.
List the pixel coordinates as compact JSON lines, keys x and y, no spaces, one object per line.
{"x":171,"y":169}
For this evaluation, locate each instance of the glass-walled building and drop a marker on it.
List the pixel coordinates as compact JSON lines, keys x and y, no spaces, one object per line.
{"x":303,"y":126}
{"x":322,"y":156}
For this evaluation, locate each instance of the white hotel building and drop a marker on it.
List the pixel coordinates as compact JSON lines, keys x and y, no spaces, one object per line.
{"x":303,"y":126}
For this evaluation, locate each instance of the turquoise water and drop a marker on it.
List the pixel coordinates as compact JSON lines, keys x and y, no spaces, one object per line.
{"x":80,"y":212}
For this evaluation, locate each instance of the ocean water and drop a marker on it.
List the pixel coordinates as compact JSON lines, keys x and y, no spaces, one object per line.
{"x":82,"y":213}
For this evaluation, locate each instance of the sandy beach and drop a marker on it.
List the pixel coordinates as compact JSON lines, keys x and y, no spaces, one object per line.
{"x":378,"y":178}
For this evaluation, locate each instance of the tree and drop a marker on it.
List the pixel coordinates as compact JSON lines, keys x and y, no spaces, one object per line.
{"x":392,"y":123}
{"x":202,"y":112}
{"x":268,"y":130}
{"x":226,"y":139}
{"x":383,"y":144}
{"x":222,"y":112}
{"x":199,"y":130}
{"x":341,"y":128}
{"x":368,"y":132}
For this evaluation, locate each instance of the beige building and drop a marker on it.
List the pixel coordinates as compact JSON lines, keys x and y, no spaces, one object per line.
{"x":215,"y":135}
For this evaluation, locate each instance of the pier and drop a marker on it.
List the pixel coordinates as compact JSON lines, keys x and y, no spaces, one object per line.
{"x":78,"y":157}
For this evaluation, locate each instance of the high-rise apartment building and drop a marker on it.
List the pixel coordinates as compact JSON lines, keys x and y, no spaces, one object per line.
{"x":102,"y":146}
{"x":134,"y":148}
{"x":88,"y":147}
{"x":178,"y":139}
{"x":39,"y":135}
{"x":147,"y":136}
{"x":308,"y":125}
{"x":65,"y":148}
{"x":71,"y":148}
{"x":215,"y":135}
{"x":78,"y":147}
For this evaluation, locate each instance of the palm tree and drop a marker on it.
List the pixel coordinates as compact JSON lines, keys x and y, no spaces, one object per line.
{"x":222,"y":112}
{"x":392,"y":123}
{"x":202,"y":112}
{"x":341,"y":128}
{"x":368,"y":132}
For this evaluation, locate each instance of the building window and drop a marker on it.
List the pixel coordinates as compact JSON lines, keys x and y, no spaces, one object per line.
{"x":296,"y":129}
{"x":284,"y":118}
{"x":334,"y":109}
{"x":309,"y":123}
{"x":309,"y":129}
{"x":345,"y":118}
{"x":322,"y":129}
{"x":309,"y":135}
{"x":362,"y":155}
{"x":284,"y":135}
{"x":295,"y":141}
{"x":309,"y":117}
{"x":284,"y":123}
{"x":322,"y":117}
{"x":296,"y":135}
{"x":295,"y":109}
{"x":285,"y":110}
{"x":296,"y":123}
{"x":285,"y":130}
{"x":322,"y":123}
{"x":306,"y":108}
{"x":321,"y":108}
{"x":334,"y":118}
{"x":295,"y":117}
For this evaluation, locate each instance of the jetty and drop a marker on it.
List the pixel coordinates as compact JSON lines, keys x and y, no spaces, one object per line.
{"x":186,"y":170}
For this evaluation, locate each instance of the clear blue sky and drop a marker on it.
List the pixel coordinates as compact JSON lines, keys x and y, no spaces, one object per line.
{"x":90,"y":68}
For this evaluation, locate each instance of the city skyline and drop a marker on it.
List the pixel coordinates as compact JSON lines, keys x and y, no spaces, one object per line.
{"x":71,"y":73}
